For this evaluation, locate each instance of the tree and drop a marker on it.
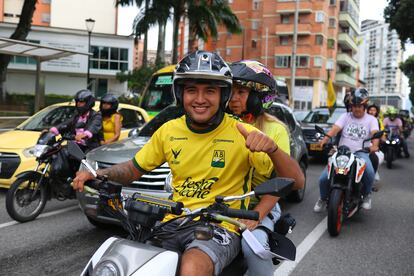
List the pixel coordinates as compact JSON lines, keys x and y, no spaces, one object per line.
{"x":138,"y":78}
{"x":408,"y":69}
{"x":20,"y":33}
{"x":399,"y":14}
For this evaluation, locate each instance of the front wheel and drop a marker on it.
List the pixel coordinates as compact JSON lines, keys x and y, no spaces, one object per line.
{"x":335,"y":215}
{"x":25,"y":199}
{"x":390,"y":157}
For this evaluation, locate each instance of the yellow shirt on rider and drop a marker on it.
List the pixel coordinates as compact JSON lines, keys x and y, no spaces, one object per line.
{"x":108,"y":126}
{"x":204,"y":165}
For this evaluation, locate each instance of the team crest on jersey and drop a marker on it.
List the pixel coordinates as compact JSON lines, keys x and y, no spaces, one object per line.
{"x":218,"y":160}
{"x":176,"y":153}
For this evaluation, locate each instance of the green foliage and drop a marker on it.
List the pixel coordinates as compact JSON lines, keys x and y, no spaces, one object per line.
{"x":138,"y":78}
{"x":408,"y":69}
{"x":399,"y":13}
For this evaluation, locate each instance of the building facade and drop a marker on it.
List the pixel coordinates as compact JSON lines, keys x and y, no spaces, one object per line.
{"x":61,"y":24}
{"x":327,"y":31}
{"x":380,"y":54}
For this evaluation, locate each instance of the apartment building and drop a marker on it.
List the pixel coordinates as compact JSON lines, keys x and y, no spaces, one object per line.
{"x":61,"y":24}
{"x":327,"y":31}
{"x":379,"y":56}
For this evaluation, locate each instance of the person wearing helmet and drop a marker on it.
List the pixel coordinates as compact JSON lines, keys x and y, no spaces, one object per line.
{"x":210,"y":153}
{"x":111,"y":119}
{"x":253,"y":92}
{"x":85,"y":125}
{"x":356,"y":126}
{"x":395,"y":125}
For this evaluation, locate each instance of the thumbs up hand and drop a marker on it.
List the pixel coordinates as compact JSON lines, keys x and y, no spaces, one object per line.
{"x":257,"y":141}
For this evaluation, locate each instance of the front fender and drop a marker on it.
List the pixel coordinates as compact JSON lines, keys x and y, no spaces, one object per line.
{"x":29,"y":174}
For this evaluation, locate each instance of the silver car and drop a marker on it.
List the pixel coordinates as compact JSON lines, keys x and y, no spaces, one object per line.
{"x":157,"y":182}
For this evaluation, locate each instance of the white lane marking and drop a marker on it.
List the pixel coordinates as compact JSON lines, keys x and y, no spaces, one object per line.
{"x":288,"y":266}
{"x":48,"y":214}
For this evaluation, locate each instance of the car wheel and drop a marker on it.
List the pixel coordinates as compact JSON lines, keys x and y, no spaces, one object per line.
{"x":298,"y":195}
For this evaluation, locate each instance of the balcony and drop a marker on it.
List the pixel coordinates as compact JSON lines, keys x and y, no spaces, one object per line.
{"x":343,"y":79}
{"x":347,"y":60}
{"x":346,"y":20}
{"x":345,"y":41}
{"x":287,"y":29}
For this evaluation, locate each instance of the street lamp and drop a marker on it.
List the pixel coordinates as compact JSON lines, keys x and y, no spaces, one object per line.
{"x":90,"y":23}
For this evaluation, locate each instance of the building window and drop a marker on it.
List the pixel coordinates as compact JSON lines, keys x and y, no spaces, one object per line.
{"x":299,"y":82}
{"x":255,"y":25}
{"x":8,"y":14}
{"x":329,"y":64}
{"x":332,"y":23}
{"x":317,"y":62}
{"x":318,"y":39}
{"x":228,"y":51}
{"x":282,"y":61}
{"x":46,"y":17}
{"x":255,"y":5}
{"x":331,"y":43}
{"x":254,"y":43}
{"x":319,"y":17}
{"x":284,"y":18}
{"x":284,"y":40}
{"x":22,"y":59}
{"x":302,"y":61}
{"x":109,"y":58}
{"x":332,"y":2}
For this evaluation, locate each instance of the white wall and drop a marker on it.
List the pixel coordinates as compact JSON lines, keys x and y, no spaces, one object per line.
{"x":72,"y":14}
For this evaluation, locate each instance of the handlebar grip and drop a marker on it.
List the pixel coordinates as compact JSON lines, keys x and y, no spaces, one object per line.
{"x":242,"y":214}
{"x":172,"y":207}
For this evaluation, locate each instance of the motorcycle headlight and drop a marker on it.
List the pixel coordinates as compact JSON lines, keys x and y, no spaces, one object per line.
{"x":387,"y":142}
{"x":107,"y":268}
{"x":168,"y":183}
{"x":397,"y":140}
{"x":393,"y":142}
{"x":35,"y":151}
{"x":342,"y":161}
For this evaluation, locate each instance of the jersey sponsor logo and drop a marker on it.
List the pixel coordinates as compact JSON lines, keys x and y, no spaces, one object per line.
{"x":175,"y":154}
{"x":218,"y":160}
{"x":172,"y":138}
{"x":222,"y":140}
{"x":196,"y":189}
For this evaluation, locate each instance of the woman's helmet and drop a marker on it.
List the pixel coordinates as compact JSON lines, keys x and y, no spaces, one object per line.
{"x":392,"y":112}
{"x":86,"y":96}
{"x":113,"y":101}
{"x":359,"y":96}
{"x":202,"y":66}
{"x":254,"y":75}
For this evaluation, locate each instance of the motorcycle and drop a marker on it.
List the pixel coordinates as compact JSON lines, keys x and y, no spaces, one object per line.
{"x":141,"y":253}
{"x":391,"y":147}
{"x":27,"y":196}
{"x":345,"y":172}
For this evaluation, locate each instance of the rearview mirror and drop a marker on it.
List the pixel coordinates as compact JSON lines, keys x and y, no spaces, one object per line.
{"x":377,"y":135}
{"x":319,"y":129}
{"x":75,"y":151}
{"x":278,"y":186}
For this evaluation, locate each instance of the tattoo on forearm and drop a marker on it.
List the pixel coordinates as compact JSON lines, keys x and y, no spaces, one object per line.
{"x":123,"y":173}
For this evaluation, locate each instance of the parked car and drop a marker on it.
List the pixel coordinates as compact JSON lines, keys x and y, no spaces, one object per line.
{"x":16,"y":145}
{"x":300,"y":114}
{"x":324,"y":118}
{"x":157,"y":182}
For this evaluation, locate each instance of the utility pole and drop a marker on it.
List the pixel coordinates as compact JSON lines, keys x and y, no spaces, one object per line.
{"x":293,"y":59}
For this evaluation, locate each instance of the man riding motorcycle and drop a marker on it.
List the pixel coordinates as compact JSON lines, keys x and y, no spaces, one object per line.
{"x":209,"y":153}
{"x":356,"y":126}
{"x":393,"y":123}
{"x":85,"y":125}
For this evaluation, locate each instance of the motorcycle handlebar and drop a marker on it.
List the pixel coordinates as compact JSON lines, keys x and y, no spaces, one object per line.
{"x":242,"y":214}
{"x":172,"y":207}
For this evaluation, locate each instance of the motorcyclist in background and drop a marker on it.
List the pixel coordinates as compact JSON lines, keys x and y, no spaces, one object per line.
{"x":252,"y":93}
{"x":85,"y":125}
{"x":393,"y":123}
{"x":111,"y":119}
{"x":356,"y":126}
{"x":377,"y":158}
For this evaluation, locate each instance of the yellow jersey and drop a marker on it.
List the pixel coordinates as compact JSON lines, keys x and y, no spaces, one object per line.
{"x":204,"y":165}
{"x":108,"y":126}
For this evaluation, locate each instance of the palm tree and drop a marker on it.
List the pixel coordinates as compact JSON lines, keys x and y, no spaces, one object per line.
{"x":204,"y":18}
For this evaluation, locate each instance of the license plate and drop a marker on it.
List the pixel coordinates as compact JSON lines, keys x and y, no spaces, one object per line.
{"x":315,"y":147}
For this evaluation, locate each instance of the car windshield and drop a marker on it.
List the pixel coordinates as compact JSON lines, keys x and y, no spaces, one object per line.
{"x":322,"y":116}
{"x":167,"y":114}
{"x":49,"y":117}
{"x":159,"y":93}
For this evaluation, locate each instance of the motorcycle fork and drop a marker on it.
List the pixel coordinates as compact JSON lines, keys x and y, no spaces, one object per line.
{"x":40,"y":180}
{"x":349,"y":191}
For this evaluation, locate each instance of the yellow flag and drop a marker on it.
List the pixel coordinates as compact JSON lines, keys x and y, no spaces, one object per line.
{"x":331,"y":98}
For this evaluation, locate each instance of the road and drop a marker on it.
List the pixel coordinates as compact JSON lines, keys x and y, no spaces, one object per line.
{"x":375,"y":242}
